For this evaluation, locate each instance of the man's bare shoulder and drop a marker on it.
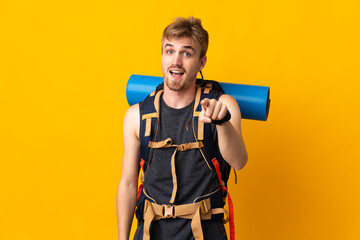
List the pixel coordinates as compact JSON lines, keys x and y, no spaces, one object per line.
{"x":133,"y":111}
{"x":132,"y":120}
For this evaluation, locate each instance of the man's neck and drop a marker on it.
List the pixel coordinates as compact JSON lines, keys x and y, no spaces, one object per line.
{"x":179,"y":99}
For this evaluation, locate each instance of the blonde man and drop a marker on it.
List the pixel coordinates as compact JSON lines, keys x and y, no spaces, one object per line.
{"x":175,"y":179}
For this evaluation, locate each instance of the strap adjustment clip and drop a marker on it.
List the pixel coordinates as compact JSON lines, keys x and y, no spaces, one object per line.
{"x":205,"y":206}
{"x":168,"y":211}
{"x":184,"y":147}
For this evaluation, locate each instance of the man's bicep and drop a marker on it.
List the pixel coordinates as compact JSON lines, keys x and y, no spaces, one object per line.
{"x":131,"y":150}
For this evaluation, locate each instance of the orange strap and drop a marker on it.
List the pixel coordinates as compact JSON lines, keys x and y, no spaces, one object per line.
{"x":230,"y":203}
{"x":142,"y":164}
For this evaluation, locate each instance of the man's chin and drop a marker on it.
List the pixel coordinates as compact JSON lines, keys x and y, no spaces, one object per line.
{"x":173,"y":86}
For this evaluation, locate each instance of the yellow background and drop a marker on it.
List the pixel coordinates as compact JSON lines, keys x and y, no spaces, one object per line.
{"x":64,"y":66}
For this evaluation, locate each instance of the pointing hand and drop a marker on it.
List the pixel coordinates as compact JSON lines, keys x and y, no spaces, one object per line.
{"x":212,"y":110}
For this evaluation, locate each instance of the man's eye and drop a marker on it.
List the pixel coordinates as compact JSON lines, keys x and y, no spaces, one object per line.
{"x":169,"y":51}
{"x":187,"y":54}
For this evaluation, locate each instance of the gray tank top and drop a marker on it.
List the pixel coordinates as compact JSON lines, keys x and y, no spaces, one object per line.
{"x":194,"y":177}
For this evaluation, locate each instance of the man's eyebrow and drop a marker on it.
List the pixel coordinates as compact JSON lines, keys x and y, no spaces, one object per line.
{"x":190,"y":47}
{"x":168,"y":45}
{"x":187,"y":47}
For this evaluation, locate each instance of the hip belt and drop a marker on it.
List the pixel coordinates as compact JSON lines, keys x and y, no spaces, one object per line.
{"x":196,"y":211}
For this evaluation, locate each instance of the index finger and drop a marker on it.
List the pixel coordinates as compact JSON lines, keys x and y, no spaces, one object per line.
{"x":205,"y":102}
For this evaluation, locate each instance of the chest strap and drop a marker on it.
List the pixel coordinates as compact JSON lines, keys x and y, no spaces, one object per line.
{"x":196,"y":211}
{"x":167,"y":143}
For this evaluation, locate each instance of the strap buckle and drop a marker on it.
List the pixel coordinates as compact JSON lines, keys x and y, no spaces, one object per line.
{"x":205,"y":206}
{"x":184,"y":147}
{"x":168,"y":211}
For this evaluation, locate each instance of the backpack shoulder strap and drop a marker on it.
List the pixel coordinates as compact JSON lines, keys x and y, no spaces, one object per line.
{"x":149,"y":119}
{"x":207,"y":132}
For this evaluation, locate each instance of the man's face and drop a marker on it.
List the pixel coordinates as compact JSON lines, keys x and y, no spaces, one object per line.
{"x":181,"y":62}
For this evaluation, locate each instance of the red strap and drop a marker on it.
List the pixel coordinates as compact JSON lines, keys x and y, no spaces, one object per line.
{"x":230,"y":203}
{"x":231,"y":217}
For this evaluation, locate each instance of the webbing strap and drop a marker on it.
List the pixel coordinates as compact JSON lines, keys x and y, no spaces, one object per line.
{"x":196,"y":211}
{"x":220,"y":211}
{"x":208,"y":88}
{"x":157,"y":101}
{"x":174,"y":177}
{"x":142,"y":162}
{"x":148,"y":127}
{"x":162,"y":144}
{"x":182,"y":147}
{"x":200,"y":134}
{"x":149,"y":116}
{"x":231,"y":217}
{"x":230,"y":203}
{"x":196,"y":226}
{"x":149,"y":216}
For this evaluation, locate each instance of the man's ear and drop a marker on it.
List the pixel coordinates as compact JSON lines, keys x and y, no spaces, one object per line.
{"x":202,"y":62}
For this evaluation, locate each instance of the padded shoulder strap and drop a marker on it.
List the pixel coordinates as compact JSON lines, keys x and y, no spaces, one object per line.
{"x":149,"y":116}
{"x":210,"y":136}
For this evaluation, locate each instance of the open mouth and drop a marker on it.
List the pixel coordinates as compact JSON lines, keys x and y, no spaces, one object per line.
{"x":176,"y":73}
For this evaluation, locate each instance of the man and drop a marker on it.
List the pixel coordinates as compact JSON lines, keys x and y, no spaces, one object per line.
{"x":178,"y":178}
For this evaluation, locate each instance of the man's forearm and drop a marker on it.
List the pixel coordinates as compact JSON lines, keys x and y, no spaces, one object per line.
{"x":126,"y":200}
{"x":232,"y":146}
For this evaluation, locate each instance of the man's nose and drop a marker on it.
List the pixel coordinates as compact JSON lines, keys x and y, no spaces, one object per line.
{"x":177,"y":60}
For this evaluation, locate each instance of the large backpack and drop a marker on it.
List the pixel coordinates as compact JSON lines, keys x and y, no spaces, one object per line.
{"x":211,"y":207}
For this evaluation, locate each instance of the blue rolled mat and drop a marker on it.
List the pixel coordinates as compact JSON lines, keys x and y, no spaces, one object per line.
{"x":253,"y":100}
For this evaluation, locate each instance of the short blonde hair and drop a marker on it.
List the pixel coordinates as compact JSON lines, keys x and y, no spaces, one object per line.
{"x":190,"y":27}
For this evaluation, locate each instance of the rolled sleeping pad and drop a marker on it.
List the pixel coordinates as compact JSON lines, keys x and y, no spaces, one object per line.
{"x":253,"y":100}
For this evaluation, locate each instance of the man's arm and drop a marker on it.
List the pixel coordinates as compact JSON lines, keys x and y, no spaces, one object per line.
{"x":127,"y":190}
{"x":231,"y":143}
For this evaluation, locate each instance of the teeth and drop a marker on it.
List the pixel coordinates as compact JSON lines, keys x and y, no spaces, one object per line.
{"x":176,"y":72}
